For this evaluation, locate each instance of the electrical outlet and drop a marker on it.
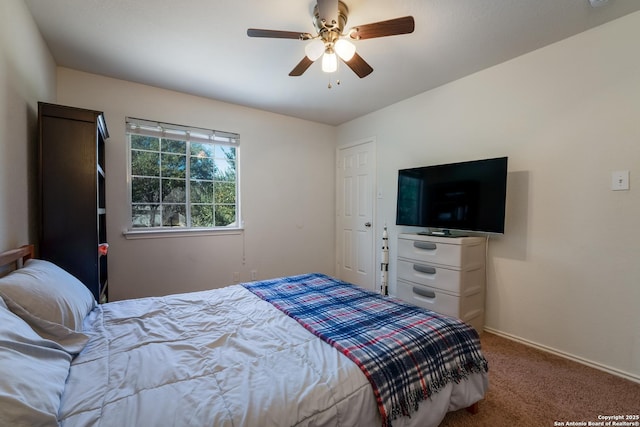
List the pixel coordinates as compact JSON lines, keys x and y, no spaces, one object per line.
{"x":254,"y":274}
{"x":236,"y":277}
{"x":619,"y":180}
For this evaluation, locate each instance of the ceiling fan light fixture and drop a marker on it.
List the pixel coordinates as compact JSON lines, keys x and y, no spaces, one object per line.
{"x":331,"y":41}
{"x":314,"y":49}
{"x":329,"y":61}
{"x":345,"y":49}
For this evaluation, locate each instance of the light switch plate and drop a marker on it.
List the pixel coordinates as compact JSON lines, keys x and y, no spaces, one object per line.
{"x":619,"y":180}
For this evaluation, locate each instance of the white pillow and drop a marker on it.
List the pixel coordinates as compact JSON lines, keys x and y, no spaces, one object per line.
{"x":33,"y":372}
{"x":71,"y":341}
{"x":48,"y":292}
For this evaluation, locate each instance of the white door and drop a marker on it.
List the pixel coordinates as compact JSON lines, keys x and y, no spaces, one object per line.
{"x":355,"y":183}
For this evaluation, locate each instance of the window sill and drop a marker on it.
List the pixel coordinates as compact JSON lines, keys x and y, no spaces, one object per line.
{"x":169,"y":232}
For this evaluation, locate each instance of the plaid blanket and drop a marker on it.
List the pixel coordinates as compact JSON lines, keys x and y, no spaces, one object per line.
{"x":406,"y":352}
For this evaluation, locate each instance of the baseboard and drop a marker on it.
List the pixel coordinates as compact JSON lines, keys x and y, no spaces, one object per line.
{"x":595,"y":365}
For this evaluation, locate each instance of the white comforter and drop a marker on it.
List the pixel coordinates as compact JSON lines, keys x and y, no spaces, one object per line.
{"x":223,"y":358}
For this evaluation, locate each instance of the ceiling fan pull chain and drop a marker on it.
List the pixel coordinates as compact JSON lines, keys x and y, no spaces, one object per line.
{"x":330,"y":86}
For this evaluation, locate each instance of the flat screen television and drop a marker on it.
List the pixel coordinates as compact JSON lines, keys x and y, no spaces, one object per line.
{"x":465,"y":196}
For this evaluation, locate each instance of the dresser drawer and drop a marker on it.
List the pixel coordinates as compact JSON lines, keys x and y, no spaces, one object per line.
{"x":469,"y":308}
{"x":429,"y":298}
{"x":437,"y":251}
{"x":429,"y":275}
{"x":459,"y":282}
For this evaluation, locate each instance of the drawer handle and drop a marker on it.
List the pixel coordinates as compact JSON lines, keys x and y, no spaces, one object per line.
{"x":430,"y":246}
{"x":424,"y":269}
{"x":424,"y":293}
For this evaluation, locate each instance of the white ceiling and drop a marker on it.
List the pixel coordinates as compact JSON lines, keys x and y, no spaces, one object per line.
{"x":201,"y":47}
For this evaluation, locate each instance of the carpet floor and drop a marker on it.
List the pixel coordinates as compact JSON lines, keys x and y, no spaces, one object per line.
{"x":530,"y":387}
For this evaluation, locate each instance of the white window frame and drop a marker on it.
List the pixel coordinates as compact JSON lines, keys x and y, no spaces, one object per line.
{"x":190,"y":135}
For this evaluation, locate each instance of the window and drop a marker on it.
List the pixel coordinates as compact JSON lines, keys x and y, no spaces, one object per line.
{"x":182,"y":177}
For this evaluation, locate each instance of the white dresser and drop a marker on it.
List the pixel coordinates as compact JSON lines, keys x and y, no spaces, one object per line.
{"x":443,"y":274}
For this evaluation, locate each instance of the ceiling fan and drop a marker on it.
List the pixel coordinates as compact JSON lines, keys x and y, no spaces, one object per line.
{"x":331,"y":43}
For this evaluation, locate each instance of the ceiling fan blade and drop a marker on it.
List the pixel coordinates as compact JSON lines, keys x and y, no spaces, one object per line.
{"x":275,"y":34}
{"x":302,"y":66}
{"x":392,"y":27}
{"x":359,"y":66}
{"x":328,"y":10}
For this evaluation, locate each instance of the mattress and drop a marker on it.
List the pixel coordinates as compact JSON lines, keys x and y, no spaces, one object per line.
{"x":224,"y":357}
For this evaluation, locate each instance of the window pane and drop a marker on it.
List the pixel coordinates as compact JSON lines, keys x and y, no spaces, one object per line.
{"x":224,"y":152}
{"x":201,"y":192}
{"x":202,"y":216}
{"x":201,"y":168}
{"x":225,"y":192}
{"x":202,"y":150}
{"x":145,"y":163}
{"x":180,"y":183}
{"x":145,"y":142}
{"x":145,"y":190}
{"x":173,"y":165}
{"x":225,"y":215}
{"x":174,"y":146}
{"x":225,"y":170}
{"x":174,"y":191}
{"x":146,"y":216}
{"x":174,"y":215}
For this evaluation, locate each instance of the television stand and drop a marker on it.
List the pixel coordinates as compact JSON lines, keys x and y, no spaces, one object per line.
{"x":440,"y":233}
{"x":446,"y":275}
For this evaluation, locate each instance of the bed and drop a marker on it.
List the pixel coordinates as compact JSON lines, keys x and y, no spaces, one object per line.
{"x":291,"y":351}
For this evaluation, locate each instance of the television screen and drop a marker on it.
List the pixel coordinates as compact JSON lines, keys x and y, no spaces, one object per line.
{"x":466,"y":196}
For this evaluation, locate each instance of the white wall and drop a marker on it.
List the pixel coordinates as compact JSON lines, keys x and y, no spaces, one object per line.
{"x":27,"y":75}
{"x":287,"y":192}
{"x":566,"y":273}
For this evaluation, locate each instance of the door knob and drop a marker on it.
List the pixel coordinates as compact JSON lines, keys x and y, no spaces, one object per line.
{"x":367,"y":224}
